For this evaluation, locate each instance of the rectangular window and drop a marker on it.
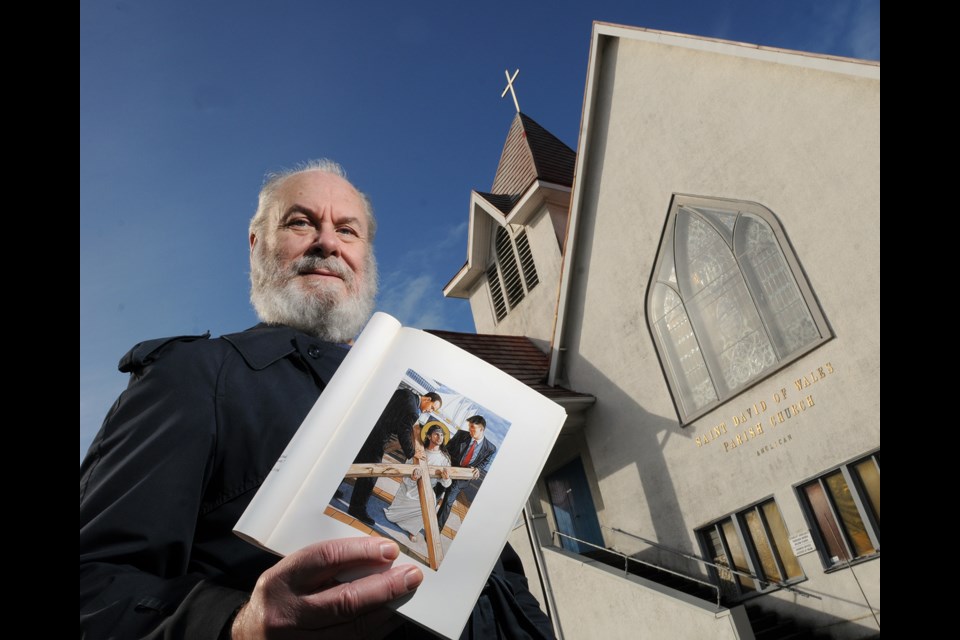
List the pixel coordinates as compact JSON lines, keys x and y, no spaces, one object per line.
{"x":751,"y":550}
{"x":843,"y":509}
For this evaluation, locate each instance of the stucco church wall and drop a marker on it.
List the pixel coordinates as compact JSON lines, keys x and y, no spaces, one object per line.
{"x":595,"y":601}
{"x":534,"y":315}
{"x":804,"y":143}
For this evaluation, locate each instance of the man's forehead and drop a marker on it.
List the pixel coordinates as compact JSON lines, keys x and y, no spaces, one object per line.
{"x":318,"y":189}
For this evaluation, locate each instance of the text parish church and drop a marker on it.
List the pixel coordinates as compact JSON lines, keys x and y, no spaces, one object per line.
{"x":699,"y":287}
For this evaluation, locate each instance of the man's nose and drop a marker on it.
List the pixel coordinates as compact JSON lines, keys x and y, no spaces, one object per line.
{"x":326,"y":241}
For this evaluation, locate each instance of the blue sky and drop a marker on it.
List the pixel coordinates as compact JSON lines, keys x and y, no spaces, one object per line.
{"x":185,"y":105}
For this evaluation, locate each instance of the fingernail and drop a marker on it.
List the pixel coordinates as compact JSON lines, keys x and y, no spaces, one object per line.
{"x":389,"y":550}
{"x":412,"y":578}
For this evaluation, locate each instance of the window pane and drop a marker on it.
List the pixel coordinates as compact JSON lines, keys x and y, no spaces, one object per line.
{"x":775,"y":290}
{"x":721,"y":311}
{"x":728,"y":586}
{"x":829,"y":531}
{"x":738,"y":557}
{"x":870,"y":479}
{"x":723,"y":221}
{"x":759,"y":539}
{"x":847,"y":510}
{"x":781,"y":541}
{"x":681,"y":351}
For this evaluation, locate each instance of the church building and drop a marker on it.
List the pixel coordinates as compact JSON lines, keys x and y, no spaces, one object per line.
{"x":699,"y":286}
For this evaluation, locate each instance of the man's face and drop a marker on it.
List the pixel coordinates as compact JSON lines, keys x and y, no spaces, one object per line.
{"x":313,"y":268}
{"x":426,"y":404}
{"x":320,"y":238}
{"x":476,"y":431}
{"x":436,"y":437}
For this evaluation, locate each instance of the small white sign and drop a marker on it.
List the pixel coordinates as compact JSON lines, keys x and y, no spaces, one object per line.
{"x":802,"y":543}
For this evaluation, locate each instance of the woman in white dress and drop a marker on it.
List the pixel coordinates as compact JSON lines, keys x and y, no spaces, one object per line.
{"x":405,"y":510}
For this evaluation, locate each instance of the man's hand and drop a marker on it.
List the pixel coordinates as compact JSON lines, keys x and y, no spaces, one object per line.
{"x":476,"y":473}
{"x":299,"y":597}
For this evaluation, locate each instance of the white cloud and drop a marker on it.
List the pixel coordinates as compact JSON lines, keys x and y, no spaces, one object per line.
{"x":455,"y":237}
{"x":863,"y":33}
{"x":848,"y":28}
{"x":415,"y":300}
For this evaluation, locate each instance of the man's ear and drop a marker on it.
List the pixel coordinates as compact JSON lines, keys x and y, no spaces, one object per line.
{"x":253,"y":242}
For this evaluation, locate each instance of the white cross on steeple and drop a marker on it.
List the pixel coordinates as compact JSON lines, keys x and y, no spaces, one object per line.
{"x":509,"y":88}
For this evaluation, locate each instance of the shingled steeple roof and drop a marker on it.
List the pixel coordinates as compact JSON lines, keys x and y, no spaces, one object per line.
{"x":531,"y":153}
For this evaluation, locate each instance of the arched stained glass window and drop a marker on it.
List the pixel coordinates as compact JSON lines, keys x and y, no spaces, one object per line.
{"x":728,"y":302}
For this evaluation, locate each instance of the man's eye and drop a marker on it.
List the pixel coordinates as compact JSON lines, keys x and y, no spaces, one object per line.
{"x":298,"y":222}
{"x":347,"y":231}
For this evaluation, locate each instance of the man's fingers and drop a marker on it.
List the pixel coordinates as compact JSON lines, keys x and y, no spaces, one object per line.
{"x":347,"y":601}
{"x":313,"y":567}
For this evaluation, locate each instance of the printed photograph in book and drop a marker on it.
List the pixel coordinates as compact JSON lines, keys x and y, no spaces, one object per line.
{"x":420,"y":468}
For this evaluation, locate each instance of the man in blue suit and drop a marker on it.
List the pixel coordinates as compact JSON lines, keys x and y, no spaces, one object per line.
{"x":468,"y":448}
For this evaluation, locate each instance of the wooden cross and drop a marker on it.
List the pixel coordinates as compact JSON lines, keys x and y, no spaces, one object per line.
{"x":428,"y":501}
{"x":509,"y":88}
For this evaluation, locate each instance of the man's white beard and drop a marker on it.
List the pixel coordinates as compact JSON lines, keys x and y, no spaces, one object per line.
{"x":330,"y":310}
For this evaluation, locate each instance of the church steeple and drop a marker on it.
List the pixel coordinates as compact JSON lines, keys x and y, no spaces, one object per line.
{"x":532,"y":153}
{"x":514,"y":251}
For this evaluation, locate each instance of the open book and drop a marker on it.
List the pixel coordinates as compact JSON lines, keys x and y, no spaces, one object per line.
{"x":416,"y":440}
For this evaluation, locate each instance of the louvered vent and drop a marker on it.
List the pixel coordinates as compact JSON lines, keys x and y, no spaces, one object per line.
{"x":526,"y":261}
{"x":496,"y":292}
{"x":509,"y":268}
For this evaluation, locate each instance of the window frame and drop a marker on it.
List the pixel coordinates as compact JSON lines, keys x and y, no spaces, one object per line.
{"x":751,"y":555}
{"x":858,"y":495}
{"x":668,"y":234}
{"x":524,"y":265}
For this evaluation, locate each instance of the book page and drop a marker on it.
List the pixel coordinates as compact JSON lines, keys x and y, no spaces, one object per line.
{"x":291,"y":470}
{"x":522,"y":426}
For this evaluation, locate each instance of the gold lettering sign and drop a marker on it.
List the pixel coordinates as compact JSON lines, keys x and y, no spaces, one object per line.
{"x":761,"y":418}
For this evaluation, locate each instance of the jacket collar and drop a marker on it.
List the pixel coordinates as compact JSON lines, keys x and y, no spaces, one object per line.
{"x":264,"y":344}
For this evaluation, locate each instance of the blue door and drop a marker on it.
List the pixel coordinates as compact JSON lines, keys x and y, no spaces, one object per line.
{"x":573,"y":507}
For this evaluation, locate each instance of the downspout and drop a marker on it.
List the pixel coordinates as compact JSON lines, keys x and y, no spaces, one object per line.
{"x":528,"y":517}
{"x":558,"y":345}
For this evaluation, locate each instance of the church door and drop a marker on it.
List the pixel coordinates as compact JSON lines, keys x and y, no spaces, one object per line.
{"x":573,"y":507}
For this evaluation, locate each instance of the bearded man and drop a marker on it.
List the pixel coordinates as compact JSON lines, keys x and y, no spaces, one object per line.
{"x":185,"y":447}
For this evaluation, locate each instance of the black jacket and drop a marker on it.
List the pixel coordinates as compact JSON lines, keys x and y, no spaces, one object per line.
{"x":180,"y":455}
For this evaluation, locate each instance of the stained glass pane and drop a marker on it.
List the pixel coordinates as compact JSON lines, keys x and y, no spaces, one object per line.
{"x":681,"y":351}
{"x":722,"y":221}
{"x":728,"y":585}
{"x":870,"y":479}
{"x":667,"y":272}
{"x":775,"y":290}
{"x":826,"y":523}
{"x":780,"y":539}
{"x":760,"y":544}
{"x":850,"y":516}
{"x":738,"y":557}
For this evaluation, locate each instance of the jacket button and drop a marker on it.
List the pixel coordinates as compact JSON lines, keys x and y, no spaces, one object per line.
{"x":314,"y":351}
